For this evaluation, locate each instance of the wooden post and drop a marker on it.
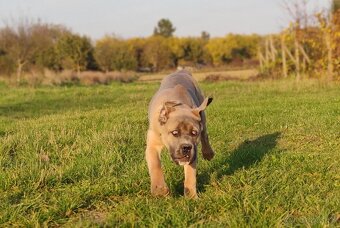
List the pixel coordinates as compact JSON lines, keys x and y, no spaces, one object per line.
{"x":289,"y":54}
{"x":283,"y":53}
{"x":304,"y":54}
{"x":330,"y":67}
{"x":297,"y":55}
{"x":260,"y":56}
{"x":267,"y":52}
{"x":20,"y":66}
{"x":272,"y":49}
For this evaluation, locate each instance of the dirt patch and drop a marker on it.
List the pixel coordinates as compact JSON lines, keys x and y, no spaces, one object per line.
{"x":213,"y":76}
{"x":220,"y":78}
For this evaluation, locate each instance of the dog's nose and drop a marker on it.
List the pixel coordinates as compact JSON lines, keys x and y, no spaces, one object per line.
{"x":186,"y":148}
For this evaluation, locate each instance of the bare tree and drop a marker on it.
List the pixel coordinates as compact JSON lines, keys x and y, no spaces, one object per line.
{"x":17,"y":41}
{"x":297,"y":10}
{"x":298,"y":13}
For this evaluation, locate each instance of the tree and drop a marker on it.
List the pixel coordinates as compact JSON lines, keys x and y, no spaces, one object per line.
{"x":330,"y":27}
{"x":205,"y":35}
{"x":164,"y":28}
{"x":27,"y":44}
{"x":176,"y":49}
{"x":225,"y":50}
{"x":297,"y":10}
{"x":194,"y":50}
{"x":19,"y":44}
{"x":112,"y":53}
{"x":46,"y":55}
{"x":75,"y":51}
{"x":336,"y":35}
{"x":137,"y":46}
{"x":7,"y":66}
{"x":157,"y":53}
{"x":335,"y":6}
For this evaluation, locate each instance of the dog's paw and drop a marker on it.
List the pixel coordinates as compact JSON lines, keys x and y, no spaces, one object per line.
{"x":160,"y":191}
{"x":190,"y":193}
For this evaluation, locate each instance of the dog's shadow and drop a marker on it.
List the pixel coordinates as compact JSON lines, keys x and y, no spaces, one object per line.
{"x":248,"y":153}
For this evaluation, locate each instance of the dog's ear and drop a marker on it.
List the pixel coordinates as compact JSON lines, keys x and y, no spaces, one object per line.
{"x":168,"y":106}
{"x":201,"y":108}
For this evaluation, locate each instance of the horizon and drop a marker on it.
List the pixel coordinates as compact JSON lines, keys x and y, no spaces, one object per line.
{"x":190,"y":19}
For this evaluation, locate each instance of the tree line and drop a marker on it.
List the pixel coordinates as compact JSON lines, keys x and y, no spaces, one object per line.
{"x":310,"y":45}
{"x":33,"y":45}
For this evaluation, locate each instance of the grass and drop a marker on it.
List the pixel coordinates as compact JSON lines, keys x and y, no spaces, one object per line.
{"x":74,"y":156}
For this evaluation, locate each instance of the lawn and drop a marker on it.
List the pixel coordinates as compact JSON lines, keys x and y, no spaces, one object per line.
{"x":74,"y":156}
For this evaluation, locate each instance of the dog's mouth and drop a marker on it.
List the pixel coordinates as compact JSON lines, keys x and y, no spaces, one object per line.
{"x":185,"y":159}
{"x":182,"y":161}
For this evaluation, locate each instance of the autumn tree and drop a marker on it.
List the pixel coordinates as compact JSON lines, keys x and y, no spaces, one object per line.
{"x":205,"y":35}
{"x":75,"y":51}
{"x":18,"y":42}
{"x":164,"y":28}
{"x":297,"y":10}
{"x":7,"y":66}
{"x":336,"y":35}
{"x":330,"y":27}
{"x":46,"y":55}
{"x":137,"y":46}
{"x":157,"y":53}
{"x":112,"y":53}
{"x":225,"y":50}
{"x":314,"y":38}
{"x":220,"y":50}
{"x":176,"y":49}
{"x":194,"y":50}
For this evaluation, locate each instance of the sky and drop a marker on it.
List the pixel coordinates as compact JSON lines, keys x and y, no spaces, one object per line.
{"x":137,"y":18}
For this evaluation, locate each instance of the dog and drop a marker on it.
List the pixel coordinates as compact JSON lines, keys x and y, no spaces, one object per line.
{"x":177,"y":121}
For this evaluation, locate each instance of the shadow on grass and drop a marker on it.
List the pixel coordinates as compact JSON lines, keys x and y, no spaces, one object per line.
{"x":245,"y":155}
{"x":2,"y":133}
{"x":38,"y":107}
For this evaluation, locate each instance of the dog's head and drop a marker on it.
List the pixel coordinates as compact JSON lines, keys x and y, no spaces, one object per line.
{"x":180,"y":130}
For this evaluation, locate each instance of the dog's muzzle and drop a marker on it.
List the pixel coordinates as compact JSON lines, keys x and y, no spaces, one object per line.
{"x":184,"y":155}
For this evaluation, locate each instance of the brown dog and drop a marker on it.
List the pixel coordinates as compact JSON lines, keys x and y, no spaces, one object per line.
{"x":177,"y":121}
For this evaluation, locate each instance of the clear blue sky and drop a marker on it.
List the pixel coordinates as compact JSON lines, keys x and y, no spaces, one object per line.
{"x":131,"y":18}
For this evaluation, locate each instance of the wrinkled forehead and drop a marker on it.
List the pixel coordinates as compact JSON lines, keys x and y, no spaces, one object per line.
{"x":183,"y":122}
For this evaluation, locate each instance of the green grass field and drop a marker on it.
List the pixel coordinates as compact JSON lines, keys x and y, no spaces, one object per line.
{"x":74,"y":156}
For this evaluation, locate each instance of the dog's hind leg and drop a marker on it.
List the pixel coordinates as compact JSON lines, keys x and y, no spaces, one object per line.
{"x":207,"y":151}
{"x":152,"y":156}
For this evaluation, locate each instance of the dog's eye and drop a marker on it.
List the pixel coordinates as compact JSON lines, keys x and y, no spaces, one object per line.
{"x":174,"y":133}
{"x":194,"y":132}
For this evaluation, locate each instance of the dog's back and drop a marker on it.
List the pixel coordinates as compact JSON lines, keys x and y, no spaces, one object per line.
{"x":172,"y":87}
{"x":182,"y":77}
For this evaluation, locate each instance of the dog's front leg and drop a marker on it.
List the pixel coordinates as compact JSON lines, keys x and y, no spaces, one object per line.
{"x":190,"y":180}
{"x":152,"y":155}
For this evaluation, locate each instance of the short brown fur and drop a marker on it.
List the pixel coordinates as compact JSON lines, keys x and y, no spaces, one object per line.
{"x":177,"y":121}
